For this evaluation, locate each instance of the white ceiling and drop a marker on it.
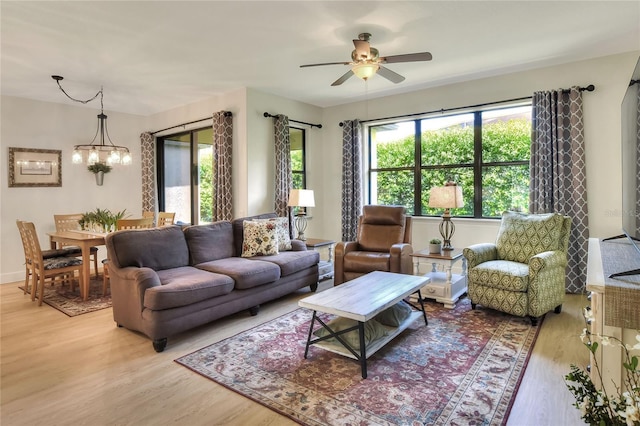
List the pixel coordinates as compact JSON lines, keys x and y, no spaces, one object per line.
{"x":151,"y":56}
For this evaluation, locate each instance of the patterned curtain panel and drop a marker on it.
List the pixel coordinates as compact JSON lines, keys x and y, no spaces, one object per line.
{"x":284,"y":177}
{"x":222,"y":166}
{"x":638,"y":157}
{"x":558,"y":172}
{"x":351,"y":179}
{"x":148,"y":161}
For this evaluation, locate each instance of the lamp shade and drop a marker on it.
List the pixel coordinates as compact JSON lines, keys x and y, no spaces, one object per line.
{"x":301,"y":198}
{"x":446,"y":197}
{"x":365,"y":70}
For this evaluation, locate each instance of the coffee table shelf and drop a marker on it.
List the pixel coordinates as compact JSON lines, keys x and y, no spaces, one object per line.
{"x":375,"y":345}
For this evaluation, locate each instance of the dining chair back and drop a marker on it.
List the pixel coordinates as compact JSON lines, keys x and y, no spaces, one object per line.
{"x":41,"y":269}
{"x":71,"y":222}
{"x":166,"y":218}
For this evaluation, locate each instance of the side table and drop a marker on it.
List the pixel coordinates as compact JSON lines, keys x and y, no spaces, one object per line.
{"x":325,"y":267}
{"x":445,"y":287}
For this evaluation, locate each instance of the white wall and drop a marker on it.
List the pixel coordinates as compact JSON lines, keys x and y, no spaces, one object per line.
{"x":602,"y":113}
{"x":43,"y":125}
{"x":33,"y":124}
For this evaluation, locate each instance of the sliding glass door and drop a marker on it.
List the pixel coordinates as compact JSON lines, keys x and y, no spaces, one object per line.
{"x":185,"y":175}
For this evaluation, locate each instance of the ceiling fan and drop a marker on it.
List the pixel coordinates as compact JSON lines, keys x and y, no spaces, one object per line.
{"x":366,"y":60}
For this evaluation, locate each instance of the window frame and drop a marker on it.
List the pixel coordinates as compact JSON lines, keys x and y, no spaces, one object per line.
{"x":477,"y":165}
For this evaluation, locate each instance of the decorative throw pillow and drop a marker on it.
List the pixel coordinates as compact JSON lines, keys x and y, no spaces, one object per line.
{"x":372,"y":330}
{"x":282,"y":231}
{"x":259,"y":239}
{"x":395,"y":315}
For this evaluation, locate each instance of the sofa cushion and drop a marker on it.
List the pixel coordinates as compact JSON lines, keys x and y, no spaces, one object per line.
{"x":395,"y":315}
{"x":282,"y":231}
{"x":184,"y":286}
{"x":245,"y":273}
{"x":238,"y":229}
{"x":259,"y":239}
{"x":155,"y":248}
{"x":291,"y":262}
{"x":522,"y":236}
{"x":209,"y":242}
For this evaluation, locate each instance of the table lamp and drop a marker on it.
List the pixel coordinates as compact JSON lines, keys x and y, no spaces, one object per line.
{"x":446,"y":197}
{"x":301,"y":198}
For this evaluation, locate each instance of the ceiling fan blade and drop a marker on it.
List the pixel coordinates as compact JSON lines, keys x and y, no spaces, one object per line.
{"x":409,"y":57}
{"x":342,"y":79}
{"x":392,"y":76}
{"x":325,"y":63}
{"x":362,"y":48}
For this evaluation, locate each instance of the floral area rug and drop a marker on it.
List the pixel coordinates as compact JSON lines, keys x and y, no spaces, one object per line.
{"x":69,"y":302}
{"x":463,"y":368}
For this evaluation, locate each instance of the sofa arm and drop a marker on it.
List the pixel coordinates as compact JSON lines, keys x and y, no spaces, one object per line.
{"x":480,"y":253}
{"x":128,"y":286}
{"x":342,"y":248}
{"x":401,"y":261}
{"x":547,"y":272}
{"x":297,"y":245}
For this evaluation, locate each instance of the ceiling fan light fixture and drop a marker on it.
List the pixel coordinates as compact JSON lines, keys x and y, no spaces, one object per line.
{"x":365,"y":70}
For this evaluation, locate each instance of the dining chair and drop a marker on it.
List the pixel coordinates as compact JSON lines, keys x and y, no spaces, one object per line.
{"x":166,"y":218}
{"x":142,"y":223}
{"x":71,"y":222}
{"x":41,"y":269}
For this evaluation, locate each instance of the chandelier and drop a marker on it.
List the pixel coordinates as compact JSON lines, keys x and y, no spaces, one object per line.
{"x":101,"y":149}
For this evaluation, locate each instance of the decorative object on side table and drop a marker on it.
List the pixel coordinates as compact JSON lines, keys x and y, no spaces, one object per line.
{"x":99,"y":169}
{"x":596,"y":406}
{"x":446,"y":197}
{"x":301,"y":199}
{"x":435,"y":246}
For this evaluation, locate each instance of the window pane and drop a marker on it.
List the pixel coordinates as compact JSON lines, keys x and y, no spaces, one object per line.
{"x":393,"y":145}
{"x":177,"y":179}
{"x":463,"y":176}
{"x":506,"y":135}
{"x":297,"y":141}
{"x":205,"y":182}
{"x":505,"y":188}
{"x":447,"y":140}
{"x":393,"y":188}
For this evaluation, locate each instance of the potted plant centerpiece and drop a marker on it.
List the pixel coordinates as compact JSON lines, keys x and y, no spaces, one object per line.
{"x":99,"y":169}
{"x":435,"y":246}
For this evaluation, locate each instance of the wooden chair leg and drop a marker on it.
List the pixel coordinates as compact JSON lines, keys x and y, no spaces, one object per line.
{"x":34,"y":286}
{"x":95,"y":264}
{"x":41,"y":292}
{"x":26,"y":280}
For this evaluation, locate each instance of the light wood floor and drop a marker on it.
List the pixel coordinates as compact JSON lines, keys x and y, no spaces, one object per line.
{"x":58,"y":370}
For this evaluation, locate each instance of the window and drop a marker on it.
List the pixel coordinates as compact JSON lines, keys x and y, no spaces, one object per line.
{"x":298,"y":164}
{"x":185,"y":175}
{"x":486,"y":152}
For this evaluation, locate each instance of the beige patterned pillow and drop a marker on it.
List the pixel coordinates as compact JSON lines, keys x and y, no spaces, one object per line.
{"x":282,"y":231}
{"x":259,"y":239}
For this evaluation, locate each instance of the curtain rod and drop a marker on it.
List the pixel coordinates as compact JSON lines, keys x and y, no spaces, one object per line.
{"x":319,"y":126}
{"x":589,"y":88}
{"x":226,"y":114}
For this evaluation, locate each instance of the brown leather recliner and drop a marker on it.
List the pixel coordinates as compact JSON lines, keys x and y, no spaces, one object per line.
{"x":384,"y":244}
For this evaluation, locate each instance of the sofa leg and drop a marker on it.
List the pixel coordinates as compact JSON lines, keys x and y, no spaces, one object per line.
{"x":558,"y":309}
{"x":160,"y":344}
{"x":473,"y":305}
{"x":313,"y":287}
{"x":254,"y":310}
{"x":534,"y":321}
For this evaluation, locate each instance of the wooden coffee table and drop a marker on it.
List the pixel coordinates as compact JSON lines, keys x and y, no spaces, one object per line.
{"x":362,"y":299}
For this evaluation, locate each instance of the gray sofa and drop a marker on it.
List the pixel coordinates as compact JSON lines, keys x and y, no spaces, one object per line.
{"x":168,"y":280}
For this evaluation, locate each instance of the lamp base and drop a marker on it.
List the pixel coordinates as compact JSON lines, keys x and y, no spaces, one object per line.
{"x":301,"y":226}
{"x":447,"y":228}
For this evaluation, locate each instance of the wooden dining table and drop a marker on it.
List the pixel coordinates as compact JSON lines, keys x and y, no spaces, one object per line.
{"x":85,"y":240}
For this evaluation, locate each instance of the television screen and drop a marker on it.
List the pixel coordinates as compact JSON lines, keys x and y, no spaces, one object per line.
{"x":631,"y":166}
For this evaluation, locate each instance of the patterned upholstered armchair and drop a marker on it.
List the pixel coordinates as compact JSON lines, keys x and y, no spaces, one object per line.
{"x":523,"y":273}
{"x":383,"y":244}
